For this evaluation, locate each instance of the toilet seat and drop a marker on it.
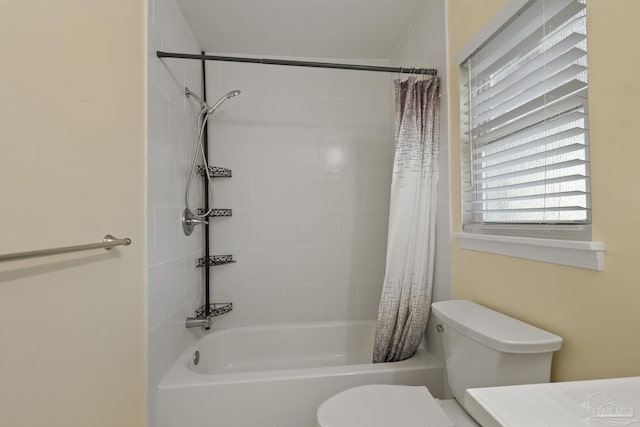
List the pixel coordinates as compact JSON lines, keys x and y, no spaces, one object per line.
{"x":383,"y":406}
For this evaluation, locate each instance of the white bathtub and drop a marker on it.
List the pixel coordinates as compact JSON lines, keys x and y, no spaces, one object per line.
{"x":277,"y":375}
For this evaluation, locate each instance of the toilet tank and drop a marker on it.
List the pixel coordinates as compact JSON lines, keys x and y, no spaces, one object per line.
{"x":484,"y":348}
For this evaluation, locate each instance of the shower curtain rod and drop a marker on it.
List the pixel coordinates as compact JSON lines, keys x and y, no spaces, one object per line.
{"x":428,"y":71}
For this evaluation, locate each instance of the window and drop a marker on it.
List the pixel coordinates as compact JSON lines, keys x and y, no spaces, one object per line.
{"x":524,"y":134}
{"x":525,"y":126}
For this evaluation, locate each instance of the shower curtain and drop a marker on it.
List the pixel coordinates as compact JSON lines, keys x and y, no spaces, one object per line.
{"x":406,"y":293}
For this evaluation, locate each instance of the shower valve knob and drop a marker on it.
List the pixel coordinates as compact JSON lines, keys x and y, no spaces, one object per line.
{"x":189,"y":221}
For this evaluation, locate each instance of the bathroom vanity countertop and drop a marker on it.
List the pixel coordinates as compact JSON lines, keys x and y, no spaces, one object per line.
{"x":564,"y":404}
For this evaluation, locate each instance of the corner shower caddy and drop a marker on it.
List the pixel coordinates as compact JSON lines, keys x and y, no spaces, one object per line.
{"x":210,"y":309}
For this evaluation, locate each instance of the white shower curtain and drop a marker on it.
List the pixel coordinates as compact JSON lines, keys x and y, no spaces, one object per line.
{"x":406,"y":293}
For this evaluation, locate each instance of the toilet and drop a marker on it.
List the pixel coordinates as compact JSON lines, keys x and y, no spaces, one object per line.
{"x":483,"y":348}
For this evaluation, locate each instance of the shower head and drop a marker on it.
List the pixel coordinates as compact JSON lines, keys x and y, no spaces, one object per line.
{"x":226,"y":96}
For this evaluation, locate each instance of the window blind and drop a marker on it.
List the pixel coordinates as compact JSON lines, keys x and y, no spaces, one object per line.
{"x":524,"y":121}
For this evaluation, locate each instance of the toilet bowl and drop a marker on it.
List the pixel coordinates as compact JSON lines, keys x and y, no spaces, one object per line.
{"x":483,"y":348}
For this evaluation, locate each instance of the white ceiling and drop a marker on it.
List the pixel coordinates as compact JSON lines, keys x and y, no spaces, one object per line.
{"x":303,"y":28}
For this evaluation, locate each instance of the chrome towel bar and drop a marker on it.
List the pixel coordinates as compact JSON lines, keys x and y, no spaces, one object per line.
{"x":107,"y":243}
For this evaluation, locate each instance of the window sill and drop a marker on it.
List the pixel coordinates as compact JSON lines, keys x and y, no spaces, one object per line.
{"x":589,"y":255}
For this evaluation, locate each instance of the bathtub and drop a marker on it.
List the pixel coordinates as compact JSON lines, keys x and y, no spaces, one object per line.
{"x":277,"y":375}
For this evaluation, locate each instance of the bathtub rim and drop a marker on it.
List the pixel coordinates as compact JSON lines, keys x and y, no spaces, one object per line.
{"x":180,"y":376}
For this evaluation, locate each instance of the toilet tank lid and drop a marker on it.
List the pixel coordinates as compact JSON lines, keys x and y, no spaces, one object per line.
{"x":496,"y":330}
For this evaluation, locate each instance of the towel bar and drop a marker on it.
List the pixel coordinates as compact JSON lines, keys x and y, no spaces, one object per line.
{"x":107,"y":243}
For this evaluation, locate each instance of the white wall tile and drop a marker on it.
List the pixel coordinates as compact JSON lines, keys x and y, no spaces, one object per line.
{"x":375,"y":155}
{"x":193,"y":242}
{"x":154,"y":43}
{"x":194,"y":276}
{"x":226,"y":150}
{"x":250,"y":114}
{"x":177,"y":134}
{"x":161,"y":187}
{"x":262,"y":305}
{"x":158,"y":116}
{"x":338,"y":154}
{"x":193,"y":304}
{"x":159,"y":349}
{"x":155,"y":301}
{"x":237,"y":231}
{"x":254,"y":268}
{"x":233,"y":318}
{"x":300,"y":153}
{"x":356,"y":229}
{"x":222,"y":275}
{"x":320,"y":303}
{"x":318,"y":229}
{"x":167,"y":228}
{"x":346,"y":190}
{"x":369,"y":300}
{"x":305,"y":303}
{"x":281,"y":82}
{"x":174,"y":280}
{"x":236,"y":192}
{"x":175,"y":285}
{"x":173,"y":73}
{"x":259,"y":151}
{"x":329,"y":266}
{"x":376,"y":189}
{"x":290,"y":266}
{"x":151,"y":234}
{"x":180,"y":335}
{"x":272,"y":190}
{"x":381,"y":226}
{"x":279,"y":228}
{"x":342,"y":303}
{"x":369,"y":266}
{"x":246,"y":77}
{"x":214,"y":79}
{"x":291,"y":116}
{"x":312,"y":190}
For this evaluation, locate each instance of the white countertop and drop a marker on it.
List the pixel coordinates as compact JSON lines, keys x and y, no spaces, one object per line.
{"x":565,"y":404}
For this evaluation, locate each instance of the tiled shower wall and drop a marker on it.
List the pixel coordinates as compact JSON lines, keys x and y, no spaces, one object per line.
{"x":311,"y":152}
{"x":174,"y":286}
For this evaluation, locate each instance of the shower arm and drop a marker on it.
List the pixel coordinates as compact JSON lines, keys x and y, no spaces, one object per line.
{"x":202,"y":103}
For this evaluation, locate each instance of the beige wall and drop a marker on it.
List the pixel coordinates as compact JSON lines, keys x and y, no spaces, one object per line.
{"x":597,"y":313}
{"x":72,"y":138}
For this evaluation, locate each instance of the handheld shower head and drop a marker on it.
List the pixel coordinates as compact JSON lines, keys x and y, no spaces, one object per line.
{"x":205,"y":112}
{"x":205,"y":106}
{"x":226,"y":96}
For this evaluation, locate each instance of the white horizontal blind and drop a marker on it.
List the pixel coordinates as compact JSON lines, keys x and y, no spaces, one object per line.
{"x":524,"y":121}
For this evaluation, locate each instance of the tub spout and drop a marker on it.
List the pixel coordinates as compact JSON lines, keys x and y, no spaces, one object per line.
{"x":194,"y":322}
